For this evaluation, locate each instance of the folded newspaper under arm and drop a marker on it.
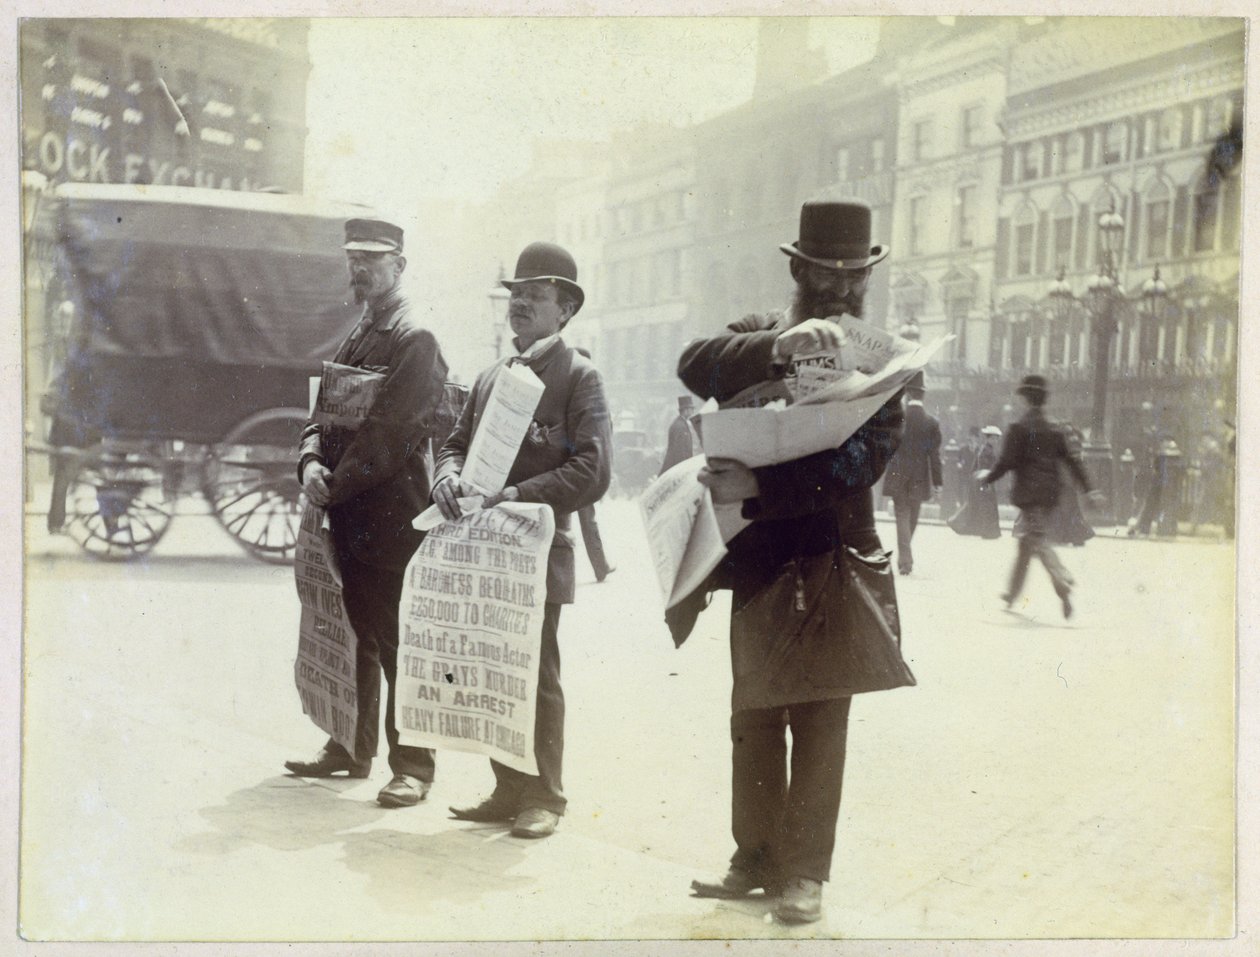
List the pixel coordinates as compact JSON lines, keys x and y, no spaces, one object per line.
{"x":686,"y":532}
{"x":497,"y":440}
{"x":822,"y":401}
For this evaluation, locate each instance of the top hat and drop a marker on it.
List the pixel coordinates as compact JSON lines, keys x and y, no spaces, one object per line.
{"x":836,"y":235}
{"x":373,"y":236}
{"x":1033,"y":385}
{"x":685,"y":403}
{"x":547,"y":262}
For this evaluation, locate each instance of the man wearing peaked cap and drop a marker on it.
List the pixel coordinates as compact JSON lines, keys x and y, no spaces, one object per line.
{"x":374,"y":480}
{"x":1034,"y":448}
{"x":785,"y":825}
{"x":565,"y":462}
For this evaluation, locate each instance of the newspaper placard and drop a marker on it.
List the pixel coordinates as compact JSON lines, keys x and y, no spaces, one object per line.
{"x":686,"y":533}
{"x":497,"y":439}
{"x":346,"y":395}
{"x":502,"y":427}
{"x":324,"y":670}
{"x":470,"y":630}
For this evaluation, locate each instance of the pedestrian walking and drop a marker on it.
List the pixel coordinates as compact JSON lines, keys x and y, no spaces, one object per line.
{"x":1033,"y":449}
{"x":914,"y":472}
{"x":565,"y":462}
{"x":1067,"y":521}
{"x":1167,"y":456}
{"x":681,"y":441}
{"x":373,"y":481}
{"x":803,"y":513}
{"x":979,"y":512}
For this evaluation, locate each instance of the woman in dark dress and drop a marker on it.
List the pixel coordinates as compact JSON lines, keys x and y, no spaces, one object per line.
{"x":979,"y":514}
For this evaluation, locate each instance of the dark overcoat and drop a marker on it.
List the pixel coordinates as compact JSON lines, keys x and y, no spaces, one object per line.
{"x":809,"y":506}
{"x":1033,"y":448}
{"x":566,"y":458}
{"x":382,"y":471}
{"x":915,"y":468}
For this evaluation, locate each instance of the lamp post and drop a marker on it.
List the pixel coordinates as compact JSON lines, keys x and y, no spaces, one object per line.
{"x":1104,"y":298}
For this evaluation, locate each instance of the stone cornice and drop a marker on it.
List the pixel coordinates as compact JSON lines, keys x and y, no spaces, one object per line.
{"x":1124,"y":101}
{"x":993,"y":62}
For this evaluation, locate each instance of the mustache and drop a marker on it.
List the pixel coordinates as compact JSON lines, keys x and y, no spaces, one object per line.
{"x":809,"y":303}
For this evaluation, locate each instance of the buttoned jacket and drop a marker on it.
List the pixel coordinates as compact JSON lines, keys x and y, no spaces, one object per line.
{"x":565,"y":460}
{"x":382,"y":471}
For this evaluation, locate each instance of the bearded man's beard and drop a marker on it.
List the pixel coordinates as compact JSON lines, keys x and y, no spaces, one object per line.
{"x":810,"y":303}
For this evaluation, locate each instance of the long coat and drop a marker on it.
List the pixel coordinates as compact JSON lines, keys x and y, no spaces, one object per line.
{"x":565,"y":460}
{"x":915,"y":468}
{"x":382,"y":471}
{"x":809,"y":506}
{"x":1033,"y":449}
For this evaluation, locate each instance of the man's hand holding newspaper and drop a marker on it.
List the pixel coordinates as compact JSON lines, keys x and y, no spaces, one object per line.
{"x":839,"y":372}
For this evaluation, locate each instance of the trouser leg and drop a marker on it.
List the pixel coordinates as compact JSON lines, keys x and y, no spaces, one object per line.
{"x":914,"y":516}
{"x":905,"y":557}
{"x":758,"y":786}
{"x":371,"y":596}
{"x":594,"y":544}
{"x":544,"y":789}
{"x":1039,"y":545}
{"x":1023,"y":556}
{"x":1151,"y":507}
{"x":807,"y":831}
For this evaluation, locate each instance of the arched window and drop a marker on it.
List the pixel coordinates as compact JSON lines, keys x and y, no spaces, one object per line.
{"x":1157,"y":203}
{"x":1206,"y":215}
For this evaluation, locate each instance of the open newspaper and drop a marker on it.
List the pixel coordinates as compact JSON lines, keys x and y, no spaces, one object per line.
{"x":497,"y":440}
{"x":821,"y":402}
{"x":824,"y":398}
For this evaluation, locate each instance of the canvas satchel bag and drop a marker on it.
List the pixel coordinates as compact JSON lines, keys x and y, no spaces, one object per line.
{"x":826,"y":627}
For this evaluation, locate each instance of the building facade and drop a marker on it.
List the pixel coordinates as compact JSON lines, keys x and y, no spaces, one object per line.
{"x":103,"y":101}
{"x":1096,"y":122}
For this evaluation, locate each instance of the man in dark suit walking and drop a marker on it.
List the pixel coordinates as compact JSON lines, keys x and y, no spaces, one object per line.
{"x":1032,"y":449}
{"x":914,"y":470}
{"x":565,"y":462}
{"x":374,"y":480}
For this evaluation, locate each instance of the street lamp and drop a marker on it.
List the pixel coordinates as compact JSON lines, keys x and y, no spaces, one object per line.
{"x":1104,"y":298}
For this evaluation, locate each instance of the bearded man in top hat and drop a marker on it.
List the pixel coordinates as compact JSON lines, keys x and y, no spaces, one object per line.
{"x":785,"y":827}
{"x":1033,"y":448}
{"x":565,"y":462}
{"x":914,"y":471}
{"x":373,"y":481}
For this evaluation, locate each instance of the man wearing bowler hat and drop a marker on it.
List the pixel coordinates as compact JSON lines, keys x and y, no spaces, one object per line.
{"x":785,"y":825}
{"x":374,"y":480}
{"x":1032,"y":449}
{"x":565,"y":461}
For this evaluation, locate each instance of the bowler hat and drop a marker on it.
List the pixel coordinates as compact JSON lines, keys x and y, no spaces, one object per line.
{"x":1033,"y":385}
{"x":837,"y":235}
{"x":547,"y":262}
{"x":373,"y":236}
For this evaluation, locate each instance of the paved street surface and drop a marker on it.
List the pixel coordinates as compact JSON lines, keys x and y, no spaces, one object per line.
{"x":1045,"y":779}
